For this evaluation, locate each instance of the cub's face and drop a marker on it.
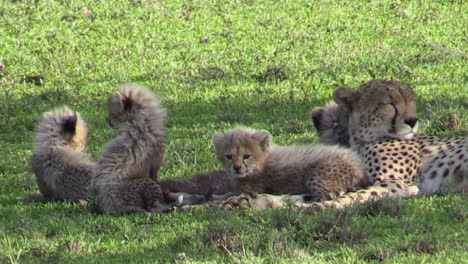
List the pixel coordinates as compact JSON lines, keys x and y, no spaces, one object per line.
{"x":379,"y":109}
{"x":242,"y":151}
{"x":331,"y":123}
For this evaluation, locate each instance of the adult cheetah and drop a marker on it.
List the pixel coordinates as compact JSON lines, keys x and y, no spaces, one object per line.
{"x":382,"y":126}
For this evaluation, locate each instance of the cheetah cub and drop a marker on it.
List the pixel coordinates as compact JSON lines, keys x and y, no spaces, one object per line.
{"x":263,"y":167}
{"x":331,"y":123}
{"x":126,"y":175}
{"x":63,"y":171}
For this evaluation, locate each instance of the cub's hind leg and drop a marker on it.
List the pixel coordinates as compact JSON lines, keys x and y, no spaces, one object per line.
{"x":130,"y":195}
{"x":318,"y":190}
{"x":152,"y":196}
{"x":333,"y":177}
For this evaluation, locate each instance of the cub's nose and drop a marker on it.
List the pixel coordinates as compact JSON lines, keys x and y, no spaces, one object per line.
{"x":411,"y":121}
{"x":236,"y":168}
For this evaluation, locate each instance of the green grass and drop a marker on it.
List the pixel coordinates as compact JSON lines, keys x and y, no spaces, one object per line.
{"x":218,"y":64}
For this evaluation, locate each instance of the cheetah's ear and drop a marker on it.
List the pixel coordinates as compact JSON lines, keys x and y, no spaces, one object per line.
{"x":316,"y":115}
{"x":218,"y":141}
{"x":345,"y":97}
{"x":69,"y":124}
{"x":264,"y":138}
{"x":118,"y":103}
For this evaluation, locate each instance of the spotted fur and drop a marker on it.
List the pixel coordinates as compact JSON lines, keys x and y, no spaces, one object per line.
{"x":126,"y":177}
{"x":398,"y":167}
{"x":263,"y":167}
{"x":63,"y":171}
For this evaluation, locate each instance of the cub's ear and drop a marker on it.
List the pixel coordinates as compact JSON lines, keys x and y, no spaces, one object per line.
{"x":118,"y":103}
{"x":69,"y":124}
{"x":217,"y":139}
{"x":316,"y":115}
{"x":345,"y":97}
{"x":264,"y":138}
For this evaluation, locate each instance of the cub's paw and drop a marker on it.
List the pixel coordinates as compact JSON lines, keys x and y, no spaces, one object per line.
{"x":326,"y":205}
{"x":157,"y":206}
{"x":240,"y":201}
{"x":318,"y":206}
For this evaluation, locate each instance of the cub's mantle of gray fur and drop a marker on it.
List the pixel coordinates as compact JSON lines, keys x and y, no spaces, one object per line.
{"x":126,"y":177}
{"x":63,"y":171}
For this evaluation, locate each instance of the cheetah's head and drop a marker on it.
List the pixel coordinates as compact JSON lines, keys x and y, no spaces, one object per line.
{"x":379,"y":109}
{"x":331,"y":123}
{"x":242,"y":150}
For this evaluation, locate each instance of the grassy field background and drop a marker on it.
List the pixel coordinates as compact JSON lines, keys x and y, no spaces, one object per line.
{"x":218,"y":64}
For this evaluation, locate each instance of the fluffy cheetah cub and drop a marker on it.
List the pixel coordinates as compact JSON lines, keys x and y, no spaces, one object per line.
{"x":63,"y":171}
{"x":126,"y":175}
{"x":331,"y":123}
{"x":263,"y":167}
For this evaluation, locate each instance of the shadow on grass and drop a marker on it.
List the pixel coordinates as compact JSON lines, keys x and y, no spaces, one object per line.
{"x":21,"y":116}
{"x":286,"y":114}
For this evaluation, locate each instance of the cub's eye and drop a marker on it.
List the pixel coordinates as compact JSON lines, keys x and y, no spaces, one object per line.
{"x":229,"y":156}
{"x":247,"y":156}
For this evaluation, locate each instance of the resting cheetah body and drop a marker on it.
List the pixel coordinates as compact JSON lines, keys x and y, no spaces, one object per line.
{"x":443,"y":165}
{"x":379,"y":122}
{"x":399,"y":165}
{"x":439,"y":157}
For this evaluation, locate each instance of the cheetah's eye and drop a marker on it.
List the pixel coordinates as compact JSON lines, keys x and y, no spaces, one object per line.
{"x":394,"y":108}
{"x":229,"y":156}
{"x":247,"y":156}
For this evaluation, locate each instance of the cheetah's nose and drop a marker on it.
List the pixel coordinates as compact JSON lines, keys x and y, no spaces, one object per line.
{"x":236,"y":168}
{"x":411,"y":121}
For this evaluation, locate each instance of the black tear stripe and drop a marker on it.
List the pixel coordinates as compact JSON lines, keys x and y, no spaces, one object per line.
{"x":395,"y":116}
{"x":245,"y":164}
